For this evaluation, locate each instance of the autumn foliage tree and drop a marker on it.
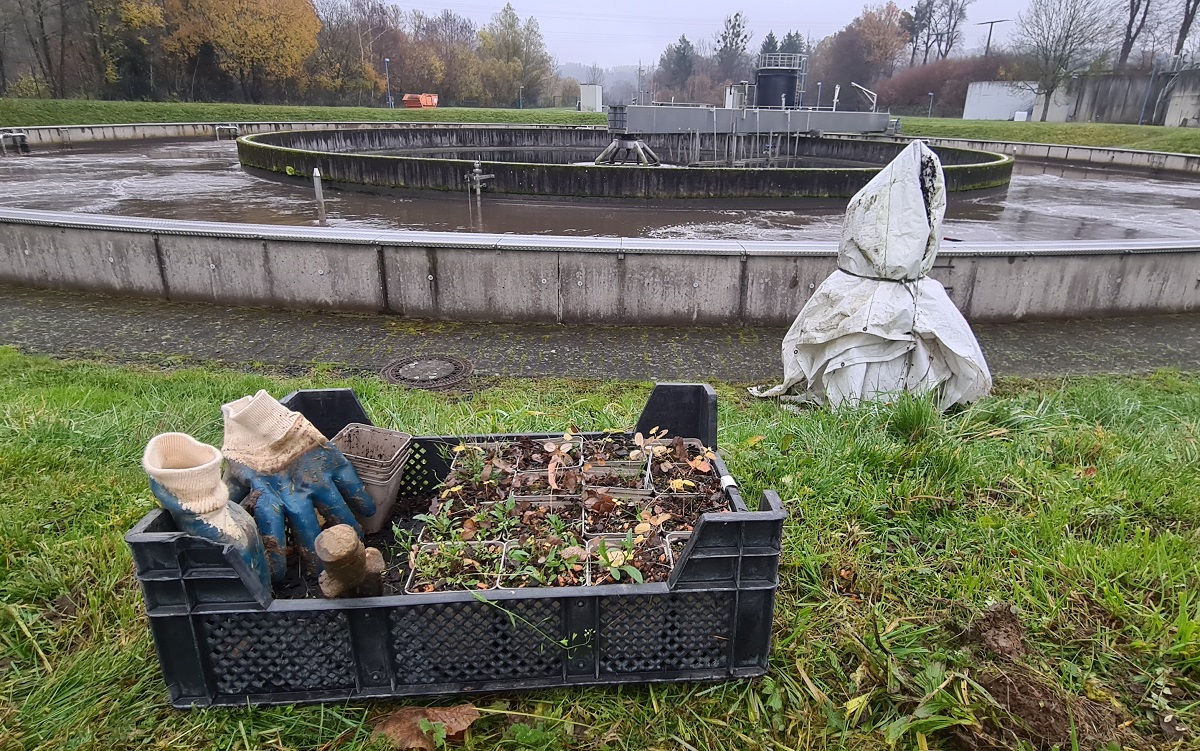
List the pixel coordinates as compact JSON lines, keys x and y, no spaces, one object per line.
{"x":883,"y":37}
{"x":318,"y":51}
{"x":865,"y":52}
{"x":516,"y":65}
{"x":259,"y":41}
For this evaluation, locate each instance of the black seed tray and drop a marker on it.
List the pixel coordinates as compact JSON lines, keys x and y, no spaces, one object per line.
{"x":222,"y":640}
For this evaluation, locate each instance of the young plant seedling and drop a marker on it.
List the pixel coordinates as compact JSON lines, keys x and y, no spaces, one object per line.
{"x":618,"y":561}
{"x":533,"y":562}
{"x":447,"y":566}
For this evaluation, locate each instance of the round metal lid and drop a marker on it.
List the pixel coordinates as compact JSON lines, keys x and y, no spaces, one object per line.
{"x":427,"y":371}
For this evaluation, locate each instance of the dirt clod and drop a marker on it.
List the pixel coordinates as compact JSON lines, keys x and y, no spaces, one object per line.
{"x":62,"y":609}
{"x":1035,"y":713}
{"x":1000,"y":631}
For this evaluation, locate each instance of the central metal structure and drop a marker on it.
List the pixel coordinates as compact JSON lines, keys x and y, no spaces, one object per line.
{"x":628,"y":150}
{"x":770,"y":107}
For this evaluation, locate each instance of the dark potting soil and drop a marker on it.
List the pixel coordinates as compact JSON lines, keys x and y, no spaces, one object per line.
{"x":649,"y":558}
{"x":460,"y":566}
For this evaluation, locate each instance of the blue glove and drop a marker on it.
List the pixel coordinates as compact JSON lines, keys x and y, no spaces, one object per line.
{"x":320,"y":481}
{"x":185,"y":477}
{"x":288,"y":474}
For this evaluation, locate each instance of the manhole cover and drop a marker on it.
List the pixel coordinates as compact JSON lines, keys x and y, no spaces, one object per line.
{"x":427,"y":371}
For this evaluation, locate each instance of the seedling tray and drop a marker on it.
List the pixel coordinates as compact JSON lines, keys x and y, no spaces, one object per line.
{"x":224,"y":640}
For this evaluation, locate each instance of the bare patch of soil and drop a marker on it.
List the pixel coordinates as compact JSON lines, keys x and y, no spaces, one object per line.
{"x":1032,"y":712}
{"x":1000,"y":631}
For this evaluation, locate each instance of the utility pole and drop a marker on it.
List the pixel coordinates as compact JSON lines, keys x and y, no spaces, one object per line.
{"x":639,"y":87}
{"x":991,"y":25}
{"x":387,"y":72}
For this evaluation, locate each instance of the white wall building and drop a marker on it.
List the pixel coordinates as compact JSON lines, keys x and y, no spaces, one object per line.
{"x":591,"y":97}
{"x":998,"y":100}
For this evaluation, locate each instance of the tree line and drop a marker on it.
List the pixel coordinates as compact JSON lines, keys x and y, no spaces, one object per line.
{"x":336,"y":52}
{"x":908,"y":54}
{"x":345,"y":52}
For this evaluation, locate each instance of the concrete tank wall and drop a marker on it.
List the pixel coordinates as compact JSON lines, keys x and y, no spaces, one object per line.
{"x":58,"y":136}
{"x":70,"y":135}
{"x":449,"y":276}
{"x":345,"y":160}
{"x":1092,"y":156}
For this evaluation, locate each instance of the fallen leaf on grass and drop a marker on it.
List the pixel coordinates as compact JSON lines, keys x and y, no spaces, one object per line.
{"x":403,"y":727}
{"x":753,"y":441}
{"x":1174,"y":730}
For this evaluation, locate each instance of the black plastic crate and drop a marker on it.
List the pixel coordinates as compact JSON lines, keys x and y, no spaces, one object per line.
{"x":224,"y":641}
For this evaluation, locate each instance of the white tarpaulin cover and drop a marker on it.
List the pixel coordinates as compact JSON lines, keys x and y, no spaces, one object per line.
{"x":878,"y":326}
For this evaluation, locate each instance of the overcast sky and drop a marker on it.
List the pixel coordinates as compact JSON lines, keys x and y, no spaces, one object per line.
{"x":599,"y":31}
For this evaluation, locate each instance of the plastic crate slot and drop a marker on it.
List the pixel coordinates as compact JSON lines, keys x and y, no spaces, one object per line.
{"x":648,"y":634}
{"x":469,"y":642}
{"x":258,"y":653}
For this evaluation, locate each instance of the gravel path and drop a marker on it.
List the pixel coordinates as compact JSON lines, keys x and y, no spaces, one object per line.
{"x":126,"y":330}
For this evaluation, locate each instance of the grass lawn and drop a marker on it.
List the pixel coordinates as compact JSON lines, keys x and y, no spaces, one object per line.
{"x":1041,"y":545}
{"x":1144,"y":137}
{"x":30,"y":112}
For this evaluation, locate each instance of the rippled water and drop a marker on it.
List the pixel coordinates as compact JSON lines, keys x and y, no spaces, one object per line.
{"x":202,"y":180}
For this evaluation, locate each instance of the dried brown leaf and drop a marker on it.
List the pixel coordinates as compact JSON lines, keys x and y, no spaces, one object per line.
{"x":573,"y":551}
{"x":680,"y":448}
{"x":601,"y":503}
{"x":470,"y":527}
{"x":402,"y":728}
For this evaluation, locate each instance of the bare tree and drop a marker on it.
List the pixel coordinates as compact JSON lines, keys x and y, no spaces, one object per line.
{"x":1059,"y":37}
{"x":1185,"y":24}
{"x":594,"y":74}
{"x":917,"y":22}
{"x":1136,"y":12}
{"x":731,"y":43}
{"x":946,"y":25}
{"x":7,"y":38}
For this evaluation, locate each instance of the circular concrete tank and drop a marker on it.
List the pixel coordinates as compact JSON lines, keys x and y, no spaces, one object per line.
{"x":696,"y":165}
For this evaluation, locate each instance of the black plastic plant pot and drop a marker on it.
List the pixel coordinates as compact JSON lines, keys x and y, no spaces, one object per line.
{"x":222,"y":640}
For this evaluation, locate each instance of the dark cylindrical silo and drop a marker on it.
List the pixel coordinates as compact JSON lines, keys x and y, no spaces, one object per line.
{"x":775,"y":86}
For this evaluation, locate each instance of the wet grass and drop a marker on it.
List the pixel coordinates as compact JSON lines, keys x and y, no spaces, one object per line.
{"x":31,"y":112}
{"x":1142,"y":137}
{"x":1076,"y":503}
